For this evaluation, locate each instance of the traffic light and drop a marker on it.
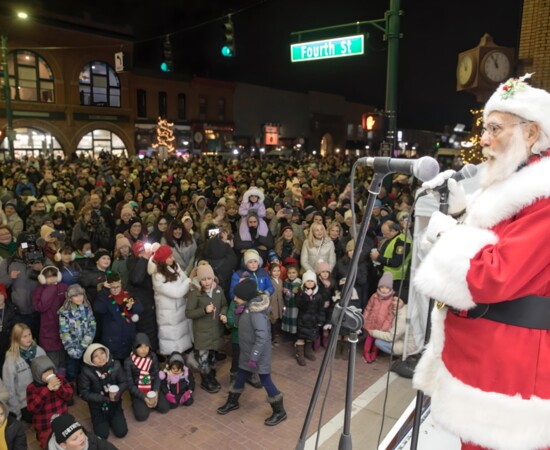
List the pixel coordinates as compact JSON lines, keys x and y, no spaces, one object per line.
{"x":167,"y":65}
{"x":228,"y":49}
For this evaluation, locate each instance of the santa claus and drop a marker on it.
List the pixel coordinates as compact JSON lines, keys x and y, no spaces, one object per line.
{"x":487,"y":366}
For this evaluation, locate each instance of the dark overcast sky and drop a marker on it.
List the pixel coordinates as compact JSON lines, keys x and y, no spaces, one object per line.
{"x":435,"y":31}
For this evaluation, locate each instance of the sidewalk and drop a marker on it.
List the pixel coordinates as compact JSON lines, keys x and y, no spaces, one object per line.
{"x":200,"y":427}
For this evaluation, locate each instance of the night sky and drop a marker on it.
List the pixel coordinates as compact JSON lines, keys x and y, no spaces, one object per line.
{"x":434,"y":32}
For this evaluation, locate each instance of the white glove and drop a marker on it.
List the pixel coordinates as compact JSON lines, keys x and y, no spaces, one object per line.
{"x":439,"y":223}
{"x":457,"y":197}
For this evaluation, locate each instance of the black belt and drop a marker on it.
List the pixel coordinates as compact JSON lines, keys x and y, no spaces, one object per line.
{"x":531,"y":311}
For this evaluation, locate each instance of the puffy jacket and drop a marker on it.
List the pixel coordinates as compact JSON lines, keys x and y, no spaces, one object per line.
{"x":208,"y":330}
{"x":132,"y":371}
{"x":47,"y":299}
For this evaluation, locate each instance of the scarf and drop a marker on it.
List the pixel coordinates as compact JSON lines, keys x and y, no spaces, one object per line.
{"x":119,"y":301}
{"x":144,"y":365}
{"x":29,"y":354}
{"x":105,"y":380}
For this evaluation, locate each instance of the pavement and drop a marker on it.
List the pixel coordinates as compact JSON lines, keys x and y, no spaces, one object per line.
{"x":200,"y":427}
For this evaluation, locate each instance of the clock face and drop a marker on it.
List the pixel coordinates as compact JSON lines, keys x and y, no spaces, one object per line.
{"x":465,"y":70}
{"x":496,"y":66}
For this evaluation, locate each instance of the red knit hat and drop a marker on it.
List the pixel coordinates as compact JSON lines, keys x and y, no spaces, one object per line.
{"x":3,"y":291}
{"x":162,"y":254}
{"x":138,"y":247}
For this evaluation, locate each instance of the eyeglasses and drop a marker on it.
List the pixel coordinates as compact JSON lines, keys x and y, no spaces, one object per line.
{"x":494,"y":129}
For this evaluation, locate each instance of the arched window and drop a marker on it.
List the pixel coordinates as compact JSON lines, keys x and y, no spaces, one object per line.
{"x":101,"y":141}
{"x":99,"y":85}
{"x":31,"y":79}
{"x":33,"y":142}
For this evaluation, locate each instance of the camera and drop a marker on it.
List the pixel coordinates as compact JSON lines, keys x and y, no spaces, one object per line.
{"x":213,"y":232}
{"x":32,"y":253}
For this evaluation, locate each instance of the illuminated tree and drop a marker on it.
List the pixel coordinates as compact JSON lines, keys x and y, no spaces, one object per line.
{"x":471,"y":152}
{"x":165,"y":135}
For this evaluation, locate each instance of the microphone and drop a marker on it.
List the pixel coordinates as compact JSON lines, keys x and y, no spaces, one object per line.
{"x":468,"y":171}
{"x":424,"y":168}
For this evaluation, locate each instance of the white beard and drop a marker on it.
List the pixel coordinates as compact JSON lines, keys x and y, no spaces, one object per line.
{"x":500,"y":165}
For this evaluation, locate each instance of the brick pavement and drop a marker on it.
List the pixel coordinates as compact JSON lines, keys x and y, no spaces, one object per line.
{"x":200,"y":427}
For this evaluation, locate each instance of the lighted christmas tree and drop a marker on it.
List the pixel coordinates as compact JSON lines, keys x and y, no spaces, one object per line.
{"x":471,"y":152}
{"x":165,"y":135}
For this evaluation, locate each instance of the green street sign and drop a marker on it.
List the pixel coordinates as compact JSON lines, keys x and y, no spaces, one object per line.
{"x":328,"y":48}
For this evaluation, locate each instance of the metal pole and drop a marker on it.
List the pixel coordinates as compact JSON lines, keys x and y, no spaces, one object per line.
{"x":392,"y":35}
{"x":7,"y":96}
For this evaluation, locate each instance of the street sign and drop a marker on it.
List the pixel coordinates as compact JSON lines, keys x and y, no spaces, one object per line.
{"x":385,"y":148}
{"x":328,"y":48}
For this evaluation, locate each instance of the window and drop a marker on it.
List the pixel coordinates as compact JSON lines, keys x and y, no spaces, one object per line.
{"x":202,"y":108}
{"x":100,"y":141}
{"x":181,"y":106}
{"x":141,"y":103}
{"x":163,"y":107}
{"x":221,"y":109}
{"x":99,"y":85}
{"x":31,"y":79}
{"x":350,"y":130}
{"x":33,"y":142}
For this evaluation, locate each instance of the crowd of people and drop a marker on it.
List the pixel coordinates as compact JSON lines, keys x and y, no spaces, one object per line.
{"x":128,"y":274}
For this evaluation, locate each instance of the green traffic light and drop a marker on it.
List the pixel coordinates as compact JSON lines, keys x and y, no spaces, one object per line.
{"x":164,"y":66}
{"x":227,"y":51}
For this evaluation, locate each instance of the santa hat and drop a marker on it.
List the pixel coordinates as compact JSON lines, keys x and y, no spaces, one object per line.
{"x":162,"y":254}
{"x":515,"y":96}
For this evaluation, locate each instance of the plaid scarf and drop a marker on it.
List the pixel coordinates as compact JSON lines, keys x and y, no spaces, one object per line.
{"x":144,"y":365}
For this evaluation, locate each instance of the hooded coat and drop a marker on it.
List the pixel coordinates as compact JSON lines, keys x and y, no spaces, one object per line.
{"x":132,"y":371}
{"x":208,"y":330}
{"x":255,"y":335}
{"x":311,"y":313}
{"x":47,"y":299}
{"x":174,"y":328}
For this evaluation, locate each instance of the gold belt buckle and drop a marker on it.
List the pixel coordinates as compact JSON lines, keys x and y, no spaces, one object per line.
{"x":440,"y":305}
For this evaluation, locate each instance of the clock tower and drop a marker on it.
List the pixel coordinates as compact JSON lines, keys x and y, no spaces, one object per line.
{"x":482,"y":68}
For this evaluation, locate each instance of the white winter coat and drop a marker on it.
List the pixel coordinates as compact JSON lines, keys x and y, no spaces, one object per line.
{"x":174,"y":328}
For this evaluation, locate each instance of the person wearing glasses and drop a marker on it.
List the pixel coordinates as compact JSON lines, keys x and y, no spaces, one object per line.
{"x":486,"y":366}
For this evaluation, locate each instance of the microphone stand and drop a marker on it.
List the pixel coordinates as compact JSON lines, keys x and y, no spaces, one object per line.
{"x":444,"y":208}
{"x":348,"y":317}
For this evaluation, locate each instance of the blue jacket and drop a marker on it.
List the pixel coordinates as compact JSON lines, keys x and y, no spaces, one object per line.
{"x":261,"y":276}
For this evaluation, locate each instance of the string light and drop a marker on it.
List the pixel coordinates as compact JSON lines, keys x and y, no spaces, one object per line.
{"x":165,"y":135}
{"x":471,"y":150}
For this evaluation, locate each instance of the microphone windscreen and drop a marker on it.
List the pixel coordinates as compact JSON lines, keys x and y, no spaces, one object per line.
{"x":426,"y":168}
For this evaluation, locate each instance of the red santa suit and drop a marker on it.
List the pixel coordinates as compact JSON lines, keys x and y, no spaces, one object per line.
{"x":489,"y":381}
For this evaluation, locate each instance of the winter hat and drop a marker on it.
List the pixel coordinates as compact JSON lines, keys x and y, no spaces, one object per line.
{"x":162,"y":254}
{"x":59,"y":206}
{"x":64,"y":426}
{"x":45,"y":232}
{"x":3,"y":291}
{"x":204,"y":271}
{"x":309,"y":210}
{"x":246,"y":290}
{"x":272,"y":256}
{"x":386,"y":280}
{"x":186,"y":217}
{"x":101,"y":253}
{"x":138,"y":247}
{"x":284,"y":228}
{"x":122,"y":241}
{"x":348,"y":214}
{"x":387,"y":209}
{"x":251,"y":255}
{"x":515,"y":96}
{"x":74,"y":290}
{"x":350,"y":245}
{"x":331,"y":203}
{"x":134,"y":220}
{"x":309,"y":275}
{"x":378,"y":203}
{"x":322,"y":266}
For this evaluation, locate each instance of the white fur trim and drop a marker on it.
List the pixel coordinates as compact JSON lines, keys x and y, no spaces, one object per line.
{"x":503,"y":200}
{"x":529,"y":103}
{"x":493,"y":420}
{"x":442,"y":274}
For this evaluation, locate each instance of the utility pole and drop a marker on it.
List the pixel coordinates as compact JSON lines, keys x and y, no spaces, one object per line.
{"x":392,"y":35}
{"x":7,"y":96}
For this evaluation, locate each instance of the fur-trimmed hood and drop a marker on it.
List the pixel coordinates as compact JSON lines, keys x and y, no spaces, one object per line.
{"x":258,"y":304}
{"x":254,"y":191}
